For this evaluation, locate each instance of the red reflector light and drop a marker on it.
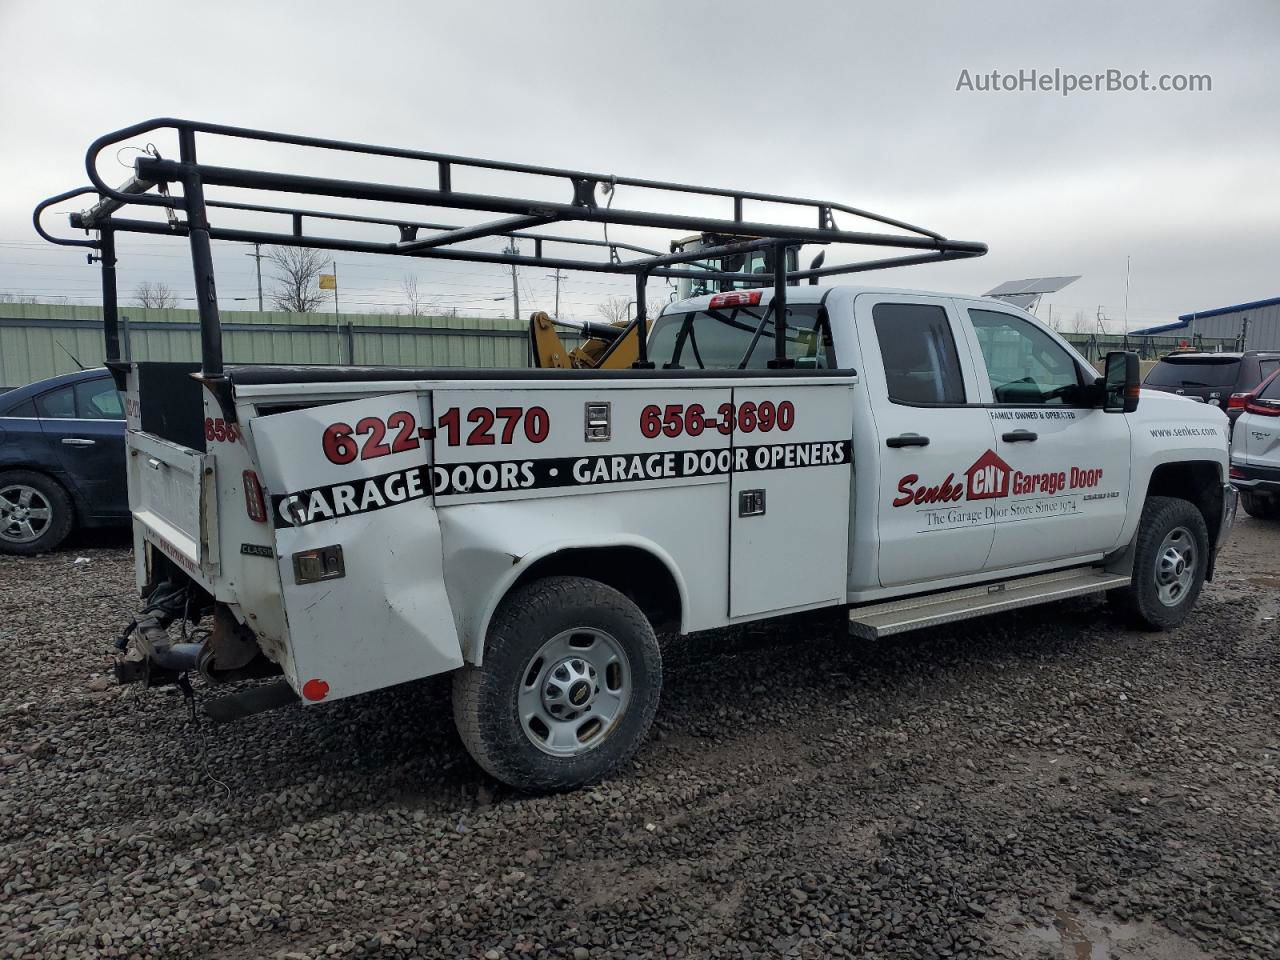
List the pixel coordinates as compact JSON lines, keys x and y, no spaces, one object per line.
{"x":254,"y":503}
{"x":739,"y":298}
{"x":1236,"y":473}
{"x":1239,"y":400}
{"x":315,"y":689}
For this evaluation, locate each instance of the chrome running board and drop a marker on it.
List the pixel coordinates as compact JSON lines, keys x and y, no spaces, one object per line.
{"x":897,"y":616}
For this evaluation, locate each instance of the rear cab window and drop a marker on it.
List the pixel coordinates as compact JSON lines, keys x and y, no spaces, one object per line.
{"x":740,"y":338}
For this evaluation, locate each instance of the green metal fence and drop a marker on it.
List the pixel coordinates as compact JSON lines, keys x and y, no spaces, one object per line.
{"x":39,"y":340}
{"x":1095,"y":346}
{"x":42,"y":340}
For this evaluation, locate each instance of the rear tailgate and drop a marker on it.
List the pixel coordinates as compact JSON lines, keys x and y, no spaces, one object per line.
{"x":172,"y":494}
{"x":1207,"y":379}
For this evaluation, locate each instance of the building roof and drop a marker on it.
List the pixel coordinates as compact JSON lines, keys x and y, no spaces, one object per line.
{"x":1162,"y":328}
{"x":1218,"y":311}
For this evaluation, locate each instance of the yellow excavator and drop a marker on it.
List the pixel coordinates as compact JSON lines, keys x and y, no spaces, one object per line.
{"x":604,"y":346}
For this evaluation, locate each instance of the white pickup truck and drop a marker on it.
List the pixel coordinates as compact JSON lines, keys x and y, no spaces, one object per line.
{"x":915,"y":458}
{"x":530,"y":532}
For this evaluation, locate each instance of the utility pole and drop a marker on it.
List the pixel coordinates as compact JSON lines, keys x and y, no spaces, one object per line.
{"x":1126,"y":294}
{"x":337,"y":324}
{"x":257,"y":255}
{"x":512,"y":250}
{"x":556,"y":277}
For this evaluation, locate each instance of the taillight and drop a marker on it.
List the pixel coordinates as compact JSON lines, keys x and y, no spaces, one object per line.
{"x":1236,"y":473}
{"x":1266,"y":408}
{"x":1239,"y":401}
{"x":739,"y":298}
{"x":254,"y":503}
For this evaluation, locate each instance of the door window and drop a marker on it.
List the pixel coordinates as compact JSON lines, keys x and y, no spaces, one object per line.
{"x":919,"y":353}
{"x":98,"y":400}
{"x":57,"y":404}
{"x":1025,"y":365}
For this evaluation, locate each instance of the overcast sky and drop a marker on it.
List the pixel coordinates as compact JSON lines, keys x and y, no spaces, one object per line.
{"x":852,"y":102}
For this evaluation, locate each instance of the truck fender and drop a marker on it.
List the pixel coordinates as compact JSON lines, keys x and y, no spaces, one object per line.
{"x":1203,"y":474}
{"x":472,"y":631}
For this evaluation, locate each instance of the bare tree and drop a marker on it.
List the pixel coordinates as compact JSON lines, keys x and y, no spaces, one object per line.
{"x":297,"y":278}
{"x":159,"y":296}
{"x":614,"y":310}
{"x":19,"y":298}
{"x":416,"y":304}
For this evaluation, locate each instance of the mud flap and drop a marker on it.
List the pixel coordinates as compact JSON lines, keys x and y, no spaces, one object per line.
{"x":357,"y":476}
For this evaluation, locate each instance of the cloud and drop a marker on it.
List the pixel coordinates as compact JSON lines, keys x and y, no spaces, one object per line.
{"x":856,"y":102}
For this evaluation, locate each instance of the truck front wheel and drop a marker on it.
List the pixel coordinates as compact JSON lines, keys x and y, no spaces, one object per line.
{"x":570,"y":683}
{"x":1171,"y":553}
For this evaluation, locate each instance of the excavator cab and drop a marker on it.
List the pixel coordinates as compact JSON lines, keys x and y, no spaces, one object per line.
{"x":754,"y":261}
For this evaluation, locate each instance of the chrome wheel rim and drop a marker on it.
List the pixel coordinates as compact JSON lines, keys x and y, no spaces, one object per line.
{"x":1175,"y":566}
{"x":574,"y":692}
{"x":25,"y":513}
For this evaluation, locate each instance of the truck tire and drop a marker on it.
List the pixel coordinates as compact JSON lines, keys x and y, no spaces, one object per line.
{"x":35,"y":512}
{"x":1262,"y":507}
{"x":570,"y":683}
{"x":1171,"y":554}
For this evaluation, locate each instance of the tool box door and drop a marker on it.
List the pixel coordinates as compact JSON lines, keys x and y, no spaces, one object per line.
{"x":355,"y":478}
{"x":789,"y":513}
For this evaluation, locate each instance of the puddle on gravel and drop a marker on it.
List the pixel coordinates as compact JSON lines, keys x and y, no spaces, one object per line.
{"x":1081,"y":938}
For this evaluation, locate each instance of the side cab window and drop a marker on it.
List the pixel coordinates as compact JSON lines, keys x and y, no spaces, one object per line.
{"x":1025,"y":366}
{"x":921,"y":366}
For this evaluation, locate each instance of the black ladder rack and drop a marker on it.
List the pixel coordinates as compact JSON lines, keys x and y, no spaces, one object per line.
{"x":187,"y":214}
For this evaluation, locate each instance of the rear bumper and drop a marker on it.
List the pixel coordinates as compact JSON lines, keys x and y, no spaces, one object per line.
{"x":1255,"y":479}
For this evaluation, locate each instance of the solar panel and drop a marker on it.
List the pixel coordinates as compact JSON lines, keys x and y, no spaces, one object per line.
{"x":1025,"y":301}
{"x":1037,"y":286}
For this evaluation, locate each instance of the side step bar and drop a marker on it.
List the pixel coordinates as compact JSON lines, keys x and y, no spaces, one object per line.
{"x":898,"y":616}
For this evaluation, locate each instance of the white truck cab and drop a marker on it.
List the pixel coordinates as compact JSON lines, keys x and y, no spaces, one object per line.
{"x":913,"y":458}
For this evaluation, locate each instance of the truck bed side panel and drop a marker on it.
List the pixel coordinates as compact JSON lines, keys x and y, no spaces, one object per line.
{"x":357,"y":475}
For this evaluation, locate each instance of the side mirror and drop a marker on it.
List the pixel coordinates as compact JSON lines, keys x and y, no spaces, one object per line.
{"x":1121,"y":382}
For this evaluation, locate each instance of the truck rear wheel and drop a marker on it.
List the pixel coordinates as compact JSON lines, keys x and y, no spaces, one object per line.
{"x":1171,"y":554}
{"x":569,"y":686}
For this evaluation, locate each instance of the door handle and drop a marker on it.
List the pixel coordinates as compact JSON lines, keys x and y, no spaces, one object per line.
{"x":78,"y":442}
{"x":1019,"y":436}
{"x":907,"y":440}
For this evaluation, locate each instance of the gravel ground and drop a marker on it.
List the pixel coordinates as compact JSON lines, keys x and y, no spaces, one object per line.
{"x":1043,"y":784}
